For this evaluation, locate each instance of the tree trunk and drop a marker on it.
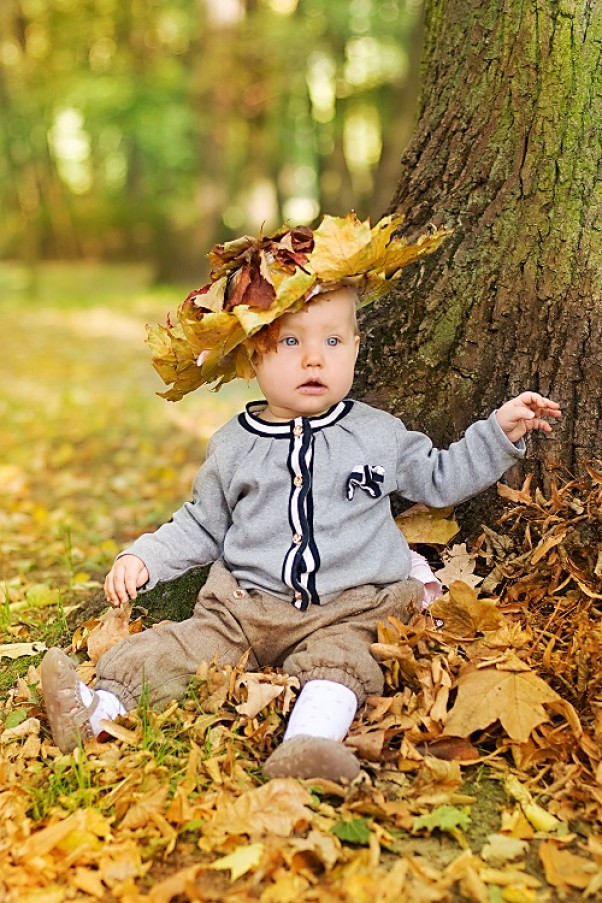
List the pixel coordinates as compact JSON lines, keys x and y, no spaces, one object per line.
{"x":508,"y":149}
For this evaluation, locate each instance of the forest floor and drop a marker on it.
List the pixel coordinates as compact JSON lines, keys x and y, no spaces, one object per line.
{"x":481,"y":765}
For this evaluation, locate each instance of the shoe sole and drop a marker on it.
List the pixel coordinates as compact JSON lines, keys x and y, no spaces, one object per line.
{"x":67,"y":734}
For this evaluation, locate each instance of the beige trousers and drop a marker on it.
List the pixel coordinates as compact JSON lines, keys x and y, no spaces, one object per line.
{"x":330,"y":642}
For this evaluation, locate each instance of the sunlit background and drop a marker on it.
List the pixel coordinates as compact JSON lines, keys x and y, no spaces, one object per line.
{"x":149,"y":129}
{"x":134,"y":134}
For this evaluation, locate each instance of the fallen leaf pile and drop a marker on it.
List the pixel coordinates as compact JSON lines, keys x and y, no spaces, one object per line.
{"x":174,"y":806}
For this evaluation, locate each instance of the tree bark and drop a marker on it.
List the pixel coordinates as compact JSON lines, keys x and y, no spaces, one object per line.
{"x":508,"y":150}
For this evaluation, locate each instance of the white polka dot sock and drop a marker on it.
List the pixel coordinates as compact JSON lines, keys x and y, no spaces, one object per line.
{"x":324,"y":708}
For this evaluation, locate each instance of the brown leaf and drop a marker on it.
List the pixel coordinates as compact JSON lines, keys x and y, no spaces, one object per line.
{"x":563,"y":868}
{"x":516,"y":699}
{"x":548,"y":543}
{"x":368,"y":745}
{"x":464,"y":614}
{"x":518,"y":496}
{"x":147,"y":805}
{"x":261,"y":690}
{"x":113,"y":627}
{"x":276,"y":808}
{"x":452,"y":749}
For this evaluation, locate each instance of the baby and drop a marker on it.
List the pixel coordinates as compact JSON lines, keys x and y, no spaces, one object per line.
{"x":292,"y":508}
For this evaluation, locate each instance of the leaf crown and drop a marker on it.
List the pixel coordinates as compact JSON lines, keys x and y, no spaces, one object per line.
{"x":254,"y":281}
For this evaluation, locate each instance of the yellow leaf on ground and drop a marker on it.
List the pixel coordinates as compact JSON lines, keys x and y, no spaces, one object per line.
{"x":50,"y":894}
{"x":122,"y":862}
{"x":464,"y":614}
{"x":175,"y":885}
{"x":241,"y":860}
{"x":287,"y":889}
{"x":516,"y":699}
{"x":430,"y":526}
{"x":259,"y":694}
{"x":20,"y":650}
{"x":565,"y":869}
{"x":459,"y":564}
{"x":141,"y":812}
{"x":276,"y":808}
{"x":326,"y":847}
{"x":88,"y":881}
{"x":24,"y":729}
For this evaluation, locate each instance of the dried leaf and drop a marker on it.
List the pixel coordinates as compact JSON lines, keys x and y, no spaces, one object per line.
{"x":459,"y":565}
{"x":464,"y":614}
{"x":21,"y":650}
{"x":241,"y":860}
{"x":276,"y":808}
{"x":565,"y":869}
{"x":488,"y":695}
{"x":450,"y":749}
{"x":261,"y":690}
{"x":501,"y":848}
{"x":428,"y":526}
{"x":113,"y":627}
{"x":22,"y":729}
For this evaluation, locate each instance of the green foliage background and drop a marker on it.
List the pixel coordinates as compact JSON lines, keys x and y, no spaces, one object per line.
{"x":152,"y":128}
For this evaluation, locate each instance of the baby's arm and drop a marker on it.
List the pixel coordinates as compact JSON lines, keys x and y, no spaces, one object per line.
{"x":194,"y":536}
{"x":524,"y":413}
{"x":122,"y":582}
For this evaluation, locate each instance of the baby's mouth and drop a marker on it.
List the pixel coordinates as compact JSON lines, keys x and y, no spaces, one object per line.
{"x":312,"y":385}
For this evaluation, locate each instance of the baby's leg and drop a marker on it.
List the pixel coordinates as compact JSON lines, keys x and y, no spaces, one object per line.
{"x":337,"y":671}
{"x":162,"y":660}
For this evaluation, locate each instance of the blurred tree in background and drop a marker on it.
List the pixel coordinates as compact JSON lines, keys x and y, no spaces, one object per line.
{"x":152,"y":128}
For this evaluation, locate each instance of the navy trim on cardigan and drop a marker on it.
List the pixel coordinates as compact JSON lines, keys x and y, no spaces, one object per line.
{"x":302,"y":560}
{"x":251,"y":420}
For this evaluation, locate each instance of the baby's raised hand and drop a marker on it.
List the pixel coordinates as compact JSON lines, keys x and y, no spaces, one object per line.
{"x":122,"y":582}
{"x":526,"y":412}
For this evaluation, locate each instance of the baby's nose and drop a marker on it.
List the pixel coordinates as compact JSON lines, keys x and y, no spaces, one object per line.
{"x":313,"y":357}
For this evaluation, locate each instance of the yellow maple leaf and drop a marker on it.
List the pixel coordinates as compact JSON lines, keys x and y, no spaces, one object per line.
{"x":514,"y":698}
{"x":429,"y":526}
{"x":339,"y":244}
{"x":345,"y":247}
{"x":464,"y":614}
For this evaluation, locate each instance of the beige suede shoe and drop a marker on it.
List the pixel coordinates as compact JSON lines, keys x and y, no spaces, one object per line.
{"x":312,"y":757}
{"x":68,"y":715}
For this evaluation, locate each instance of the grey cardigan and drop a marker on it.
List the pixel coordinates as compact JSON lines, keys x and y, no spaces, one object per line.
{"x":301,"y":509}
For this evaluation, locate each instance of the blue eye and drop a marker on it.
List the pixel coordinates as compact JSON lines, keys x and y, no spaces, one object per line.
{"x":332,"y":341}
{"x":290,"y":341}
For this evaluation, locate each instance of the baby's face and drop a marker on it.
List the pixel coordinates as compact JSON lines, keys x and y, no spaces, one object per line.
{"x":313,"y":365}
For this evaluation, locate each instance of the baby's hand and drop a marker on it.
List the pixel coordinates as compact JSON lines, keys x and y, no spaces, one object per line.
{"x":122,"y":582}
{"x":524,"y":413}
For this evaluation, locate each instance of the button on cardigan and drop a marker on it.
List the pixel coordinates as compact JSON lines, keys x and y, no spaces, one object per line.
{"x":301,"y":509}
